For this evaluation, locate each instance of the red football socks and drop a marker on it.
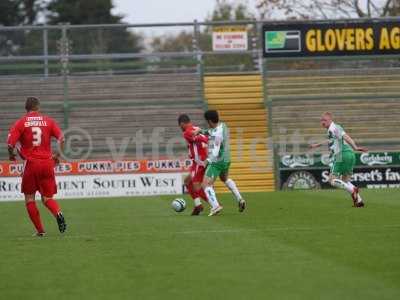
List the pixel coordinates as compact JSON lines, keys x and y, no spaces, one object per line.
{"x":34,"y":215}
{"x":53,"y":207}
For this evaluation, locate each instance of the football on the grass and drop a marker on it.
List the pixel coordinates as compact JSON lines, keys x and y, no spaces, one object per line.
{"x":178,"y":205}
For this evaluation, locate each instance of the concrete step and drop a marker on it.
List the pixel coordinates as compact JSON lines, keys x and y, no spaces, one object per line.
{"x":246,"y":186}
{"x":231,"y":78}
{"x":235,"y":96}
{"x":318,"y":84}
{"x":249,"y":184}
{"x":233,"y":84}
{"x":241,"y":106}
{"x":226,"y":105}
{"x":239,"y":117}
{"x":246,"y":123}
{"x":323,"y":95}
{"x":338,"y":90}
{"x":334,"y":78}
{"x":231,"y":89}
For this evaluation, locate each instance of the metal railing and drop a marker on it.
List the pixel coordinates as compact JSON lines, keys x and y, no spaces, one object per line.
{"x":52,"y":48}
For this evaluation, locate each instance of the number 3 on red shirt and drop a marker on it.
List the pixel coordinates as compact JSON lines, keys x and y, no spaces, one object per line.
{"x":37,"y":136}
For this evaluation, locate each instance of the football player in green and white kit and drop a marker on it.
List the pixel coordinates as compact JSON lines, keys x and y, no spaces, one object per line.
{"x":341,"y":147}
{"x":218,"y":162}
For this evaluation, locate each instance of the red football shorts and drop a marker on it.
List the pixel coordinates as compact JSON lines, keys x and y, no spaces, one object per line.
{"x":39,"y":176}
{"x":197,"y":173}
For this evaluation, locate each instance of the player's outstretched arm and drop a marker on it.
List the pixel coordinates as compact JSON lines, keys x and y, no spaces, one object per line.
{"x":197,"y":135}
{"x":317,"y":145}
{"x":199,"y":130}
{"x":353,"y":144}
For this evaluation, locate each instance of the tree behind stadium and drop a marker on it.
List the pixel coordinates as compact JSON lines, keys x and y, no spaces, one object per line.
{"x":20,"y":12}
{"x":16,"y":13}
{"x":223,"y":11}
{"x":93,"y":41}
{"x":327,"y":9}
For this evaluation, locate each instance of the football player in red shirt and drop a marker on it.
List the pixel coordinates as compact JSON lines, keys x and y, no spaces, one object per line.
{"x":197,"y":145}
{"x":31,"y":135}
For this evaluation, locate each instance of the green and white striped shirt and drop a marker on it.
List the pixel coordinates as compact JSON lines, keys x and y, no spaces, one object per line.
{"x":337,"y":144}
{"x":218,"y":144}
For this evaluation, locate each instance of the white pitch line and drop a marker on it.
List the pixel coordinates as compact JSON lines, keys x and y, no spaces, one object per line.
{"x":188,"y":232}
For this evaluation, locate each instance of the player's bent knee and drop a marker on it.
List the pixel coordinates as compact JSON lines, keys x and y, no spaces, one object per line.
{"x":45,"y":199}
{"x":197,"y":186}
{"x":207,"y":182}
{"x":29,"y":198}
{"x":346,"y":178}
{"x":227,"y":181}
{"x":224,"y":178}
{"x":204,"y":184}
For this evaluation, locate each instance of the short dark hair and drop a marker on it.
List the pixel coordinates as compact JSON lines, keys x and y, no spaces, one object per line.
{"x":32,"y":103}
{"x":183,"y":118}
{"x":211,"y":115}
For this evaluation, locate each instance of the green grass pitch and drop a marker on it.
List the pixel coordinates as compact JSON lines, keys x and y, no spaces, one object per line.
{"x":287,"y":245}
